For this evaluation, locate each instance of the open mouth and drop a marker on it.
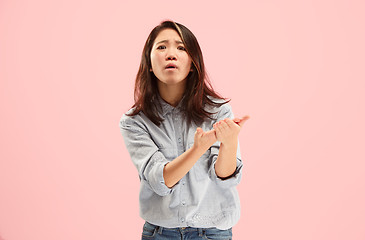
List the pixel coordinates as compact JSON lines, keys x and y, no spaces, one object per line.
{"x":170,"y":68}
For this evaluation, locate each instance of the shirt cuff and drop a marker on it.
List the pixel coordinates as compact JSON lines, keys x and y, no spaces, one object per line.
{"x":230,"y":181}
{"x":154,"y":175}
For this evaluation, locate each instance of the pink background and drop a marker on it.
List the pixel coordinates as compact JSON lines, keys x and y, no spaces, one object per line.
{"x":67,"y":72}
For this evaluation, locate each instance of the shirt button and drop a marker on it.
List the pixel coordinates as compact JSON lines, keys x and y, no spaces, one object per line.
{"x":183,"y":182}
{"x":179,"y":140}
{"x":183,"y":203}
{"x":182,"y":220}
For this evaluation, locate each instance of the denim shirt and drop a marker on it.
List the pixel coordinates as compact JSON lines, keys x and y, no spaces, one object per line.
{"x":200,"y":199}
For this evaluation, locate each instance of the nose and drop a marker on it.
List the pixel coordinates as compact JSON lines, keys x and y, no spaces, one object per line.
{"x":171,"y":55}
{"x":171,"y":58}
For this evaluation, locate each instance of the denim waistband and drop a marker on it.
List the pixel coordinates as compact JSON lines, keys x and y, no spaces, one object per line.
{"x":181,"y":229}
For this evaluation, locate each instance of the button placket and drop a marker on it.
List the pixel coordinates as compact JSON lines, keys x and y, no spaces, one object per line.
{"x":176,"y":119}
{"x":183,"y":207}
{"x":178,"y":133}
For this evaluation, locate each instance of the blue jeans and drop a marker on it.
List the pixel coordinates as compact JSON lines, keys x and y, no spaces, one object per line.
{"x":154,"y":232}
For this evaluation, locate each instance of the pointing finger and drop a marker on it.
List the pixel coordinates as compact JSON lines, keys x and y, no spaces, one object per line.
{"x":243,"y":120}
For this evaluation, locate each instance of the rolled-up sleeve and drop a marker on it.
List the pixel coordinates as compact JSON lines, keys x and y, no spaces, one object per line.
{"x":145,"y":155}
{"x":235,"y":178}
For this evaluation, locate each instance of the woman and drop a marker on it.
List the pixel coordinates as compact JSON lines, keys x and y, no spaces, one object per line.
{"x":183,"y":141}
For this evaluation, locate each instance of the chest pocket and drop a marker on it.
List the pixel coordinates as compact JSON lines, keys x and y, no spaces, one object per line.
{"x":201,"y":167}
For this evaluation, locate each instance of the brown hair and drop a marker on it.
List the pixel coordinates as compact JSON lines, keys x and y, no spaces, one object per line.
{"x":198,"y":86}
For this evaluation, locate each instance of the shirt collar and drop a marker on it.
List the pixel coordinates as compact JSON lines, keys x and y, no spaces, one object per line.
{"x":166,"y":107}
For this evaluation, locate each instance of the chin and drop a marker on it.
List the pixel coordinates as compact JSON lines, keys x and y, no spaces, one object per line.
{"x":171,"y":81}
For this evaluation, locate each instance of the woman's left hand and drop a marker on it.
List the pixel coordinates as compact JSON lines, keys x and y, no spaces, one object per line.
{"x":227,"y":130}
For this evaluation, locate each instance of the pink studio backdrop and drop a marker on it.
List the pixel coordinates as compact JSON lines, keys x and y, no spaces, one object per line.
{"x":67,"y":72}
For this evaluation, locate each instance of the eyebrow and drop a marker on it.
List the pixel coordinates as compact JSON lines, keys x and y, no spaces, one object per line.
{"x":163,"y":41}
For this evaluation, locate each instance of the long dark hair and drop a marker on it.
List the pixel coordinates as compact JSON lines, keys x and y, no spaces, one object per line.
{"x":198,"y":87}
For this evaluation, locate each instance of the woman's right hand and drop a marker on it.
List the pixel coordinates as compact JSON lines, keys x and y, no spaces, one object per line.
{"x":204,"y":140}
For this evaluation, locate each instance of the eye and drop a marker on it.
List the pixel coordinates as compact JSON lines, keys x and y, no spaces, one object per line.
{"x":181,"y":48}
{"x":161,"y":47}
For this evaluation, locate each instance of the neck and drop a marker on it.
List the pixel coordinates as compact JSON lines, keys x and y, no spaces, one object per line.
{"x":172,"y":94}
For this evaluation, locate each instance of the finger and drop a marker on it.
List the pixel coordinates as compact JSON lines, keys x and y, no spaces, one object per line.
{"x":199,"y":131}
{"x":236,"y":120}
{"x":222,"y":125}
{"x":229,"y":122}
{"x":210,"y":132}
{"x":217,"y":127}
{"x":240,"y":119}
{"x":243,"y":120}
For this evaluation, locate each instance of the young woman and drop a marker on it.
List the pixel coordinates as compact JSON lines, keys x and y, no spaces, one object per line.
{"x":183,"y":140}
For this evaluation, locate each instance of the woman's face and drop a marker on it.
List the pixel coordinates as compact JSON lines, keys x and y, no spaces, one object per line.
{"x":170,"y":62}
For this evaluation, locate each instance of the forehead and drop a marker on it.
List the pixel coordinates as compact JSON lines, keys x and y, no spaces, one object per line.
{"x":167,"y":34}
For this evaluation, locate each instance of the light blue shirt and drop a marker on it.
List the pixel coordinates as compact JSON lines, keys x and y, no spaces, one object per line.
{"x":200,"y":199}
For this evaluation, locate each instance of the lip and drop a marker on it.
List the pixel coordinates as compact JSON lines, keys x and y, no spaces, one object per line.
{"x":170,"y":65}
